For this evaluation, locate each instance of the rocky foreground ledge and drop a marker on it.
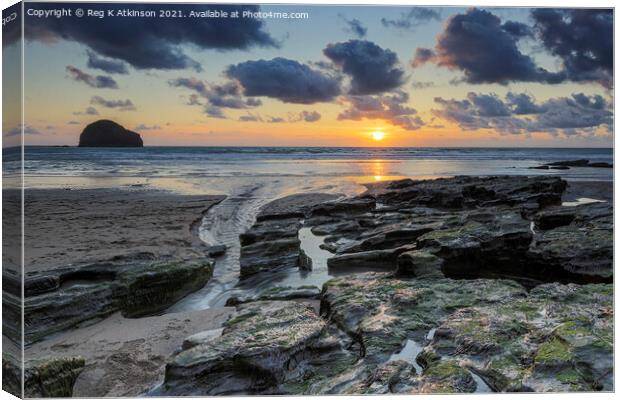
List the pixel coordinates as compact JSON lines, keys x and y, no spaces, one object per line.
{"x":447,"y":286}
{"x":451,"y":285}
{"x":94,"y":256}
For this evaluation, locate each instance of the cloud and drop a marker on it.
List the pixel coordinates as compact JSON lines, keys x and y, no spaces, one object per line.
{"x":412,"y":19}
{"x":390,"y":108}
{"x":106,"y":65}
{"x":489,"y":105}
{"x":286,"y":80}
{"x":122,"y":105}
{"x":581,"y":38}
{"x":143,"y":127}
{"x":88,"y":111}
{"x":523,"y":104}
{"x":27,"y":130}
{"x":218,"y":96}
{"x":578,"y":114}
{"x":354,"y":26}
{"x":193,"y":100}
{"x":154,"y":43}
{"x":249,"y":117}
{"x":373,"y":70}
{"x":422,"y":56}
{"x":214,"y":112}
{"x":485,"y":50}
{"x":310,"y":116}
{"x":303,"y":116}
{"x":99,"y":81}
{"x":422,"y":85}
{"x":306,"y":116}
{"x":517,"y":29}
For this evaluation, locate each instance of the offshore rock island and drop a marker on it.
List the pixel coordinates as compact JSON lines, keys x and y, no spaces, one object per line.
{"x":105,"y":133}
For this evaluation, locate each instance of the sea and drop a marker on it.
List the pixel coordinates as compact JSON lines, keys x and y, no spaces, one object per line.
{"x":51,"y":166}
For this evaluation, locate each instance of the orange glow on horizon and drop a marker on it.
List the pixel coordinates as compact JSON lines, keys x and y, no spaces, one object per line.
{"x":377,"y":136}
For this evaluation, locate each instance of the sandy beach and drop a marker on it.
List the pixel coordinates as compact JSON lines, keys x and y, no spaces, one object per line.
{"x":65,"y":227}
{"x":126,"y":357}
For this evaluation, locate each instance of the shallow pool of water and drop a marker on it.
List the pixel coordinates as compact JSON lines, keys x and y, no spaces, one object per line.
{"x":581,"y":201}
{"x":409,"y":353}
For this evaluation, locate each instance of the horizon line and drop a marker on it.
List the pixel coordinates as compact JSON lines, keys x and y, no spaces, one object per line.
{"x":319,"y":147}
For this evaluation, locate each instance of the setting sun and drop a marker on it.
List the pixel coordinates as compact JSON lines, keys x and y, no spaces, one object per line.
{"x":378,"y":135}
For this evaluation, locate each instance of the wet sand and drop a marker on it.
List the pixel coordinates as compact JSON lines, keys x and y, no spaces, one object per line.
{"x":126,"y":357}
{"x":65,"y":227}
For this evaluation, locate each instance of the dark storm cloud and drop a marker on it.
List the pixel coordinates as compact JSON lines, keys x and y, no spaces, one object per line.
{"x":412,"y":19}
{"x":519,"y":114}
{"x":391,"y":108}
{"x":106,"y":65}
{"x":354,"y":26}
{"x":477,"y":44}
{"x":99,"y":81}
{"x":122,"y":105}
{"x":153,"y":43}
{"x":373,"y":70}
{"x":581,"y":38}
{"x":517,"y":29}
{"x":486,"y":50}
{"x":286,"y":80}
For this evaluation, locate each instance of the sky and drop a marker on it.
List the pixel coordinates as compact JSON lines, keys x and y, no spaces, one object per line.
{"x":449,"y":77}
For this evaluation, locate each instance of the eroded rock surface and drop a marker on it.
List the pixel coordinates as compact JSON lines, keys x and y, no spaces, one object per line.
{"x":468,"y":335}
{"x":62,"y":299}
{"x":272,"y":243}
{"x":278,"y":293}
{"x":467,"y":227}
{"x":52,"y":377}
{"x":257,"y":349}
{"x":480,"y":284}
